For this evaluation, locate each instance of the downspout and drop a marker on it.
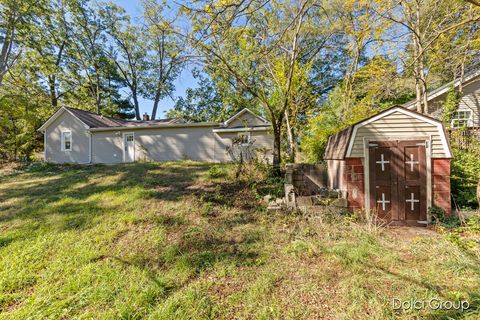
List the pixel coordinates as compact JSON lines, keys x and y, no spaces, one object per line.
{"x":89,"y":147}
{"x":45,"y":146}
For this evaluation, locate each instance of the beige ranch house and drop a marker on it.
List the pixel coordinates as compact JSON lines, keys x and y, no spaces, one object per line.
{"x":78,"y":136}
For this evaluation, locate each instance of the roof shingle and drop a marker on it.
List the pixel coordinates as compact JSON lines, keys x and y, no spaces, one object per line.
{"x":94,"y":120}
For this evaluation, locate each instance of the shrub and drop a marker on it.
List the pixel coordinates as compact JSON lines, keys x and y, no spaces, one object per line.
{"x":216,"y":172}
{"x":439,"y":218}
{"x":465,"y":175}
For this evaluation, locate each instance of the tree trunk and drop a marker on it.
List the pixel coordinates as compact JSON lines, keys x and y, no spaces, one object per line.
{"x":417,"y":71}
{"x":135,"y":104}
{"x":291,"y":147}
{"x":156,"y":101}
{"x":423,"y":83}
{"x":277,"y":158}
{"x":5,"y":52}
{"x":53,"y":92}
{"x":418,"y":65}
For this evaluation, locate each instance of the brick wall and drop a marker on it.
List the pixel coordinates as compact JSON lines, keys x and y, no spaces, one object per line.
{"x":355,"y":183}
{"x":441,"y":184}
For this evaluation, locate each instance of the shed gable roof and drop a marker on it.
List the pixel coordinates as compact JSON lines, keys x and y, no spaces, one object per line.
{"x":337,"y":144}
{"x":340,"y":145}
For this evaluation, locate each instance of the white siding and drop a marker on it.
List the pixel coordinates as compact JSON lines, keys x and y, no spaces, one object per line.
{"x":165,"y":144}
{"x":398,"y":125}
{"x":246,"y":119}
{"x":107,"y":147}
{"x":470,"y":100}
{"x":80,"y":140}
{"x":193,"y":143}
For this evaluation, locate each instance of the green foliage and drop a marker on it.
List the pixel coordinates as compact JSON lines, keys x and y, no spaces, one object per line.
{"x":318,"y":130}
{"x":217,"y":171}
{"x":450,"y":105}
{"x":473,"y":224}
{"x":439,"y":218}
{"x":371,"y":93}
{"x":203,"y":103}
{"x":156,"y":241}
{"x":465,"y":174}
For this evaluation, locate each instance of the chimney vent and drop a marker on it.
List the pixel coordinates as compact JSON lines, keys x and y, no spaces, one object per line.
{"x":146,"y":117}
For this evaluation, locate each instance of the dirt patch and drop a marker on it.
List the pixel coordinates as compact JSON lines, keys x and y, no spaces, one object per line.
{"x":410,"y":233}
{"x":7,"y":168}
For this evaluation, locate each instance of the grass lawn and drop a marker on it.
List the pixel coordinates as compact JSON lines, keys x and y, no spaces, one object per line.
{"x":180,"y":240}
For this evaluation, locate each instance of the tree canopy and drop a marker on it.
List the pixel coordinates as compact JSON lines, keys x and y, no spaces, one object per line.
{"x":311,"y":68}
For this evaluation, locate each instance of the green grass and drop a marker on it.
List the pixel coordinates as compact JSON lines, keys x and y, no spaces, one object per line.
{"x":181,"y":240}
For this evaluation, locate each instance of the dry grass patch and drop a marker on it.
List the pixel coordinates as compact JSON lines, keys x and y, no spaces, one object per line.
{"x":184,"y":241}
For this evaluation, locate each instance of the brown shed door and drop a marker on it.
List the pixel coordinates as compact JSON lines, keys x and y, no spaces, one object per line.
{"x":398,"y":180}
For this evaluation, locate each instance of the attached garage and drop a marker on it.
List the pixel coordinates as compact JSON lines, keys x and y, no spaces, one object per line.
{"x":396,"y":163}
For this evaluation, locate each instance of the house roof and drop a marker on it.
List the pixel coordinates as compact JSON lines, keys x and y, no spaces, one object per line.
{"x":96,"y":122}
{"x":443,"y":89}
{"x":238,"y":114}
{"x":339,"y":145}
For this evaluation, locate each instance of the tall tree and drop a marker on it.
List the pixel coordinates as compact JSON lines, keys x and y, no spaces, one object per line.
{"x":421,"y":23}
{"x":49,"y":42}
{"x":128,"y":52}
{"x":168,"y":52}
{"x":241,"y":42}
{"x":203,"y":103}
{"x":89,"y":64}
{"x":16,"y":19}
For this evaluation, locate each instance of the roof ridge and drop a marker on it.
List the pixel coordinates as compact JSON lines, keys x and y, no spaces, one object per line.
{"x":94,"y":113}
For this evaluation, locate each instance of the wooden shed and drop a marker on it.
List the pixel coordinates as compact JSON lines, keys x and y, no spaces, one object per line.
{"x":396,"y":163}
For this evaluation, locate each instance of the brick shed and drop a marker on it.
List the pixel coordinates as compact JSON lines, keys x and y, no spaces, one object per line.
{"x":396,"y":163}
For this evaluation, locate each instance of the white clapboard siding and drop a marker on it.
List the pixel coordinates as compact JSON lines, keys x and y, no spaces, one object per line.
{"x":80,"y":140}
{"x":398,"y":125}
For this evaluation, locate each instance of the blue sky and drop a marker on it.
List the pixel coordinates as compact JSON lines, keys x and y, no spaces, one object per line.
{"x":184,"y":81}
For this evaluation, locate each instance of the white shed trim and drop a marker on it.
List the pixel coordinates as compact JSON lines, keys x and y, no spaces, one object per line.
{"x":415,"y":115}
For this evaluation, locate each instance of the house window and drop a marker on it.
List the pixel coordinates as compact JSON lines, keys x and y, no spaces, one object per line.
{"x":66,"y":141}
{"x":461,"y":119}
{"x":244,"y":137}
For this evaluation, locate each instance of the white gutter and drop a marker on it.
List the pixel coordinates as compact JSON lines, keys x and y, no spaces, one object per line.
{"x":160,"y":126}
{"x":44,"y":146}
{"x":242,"y":129}
{"x":89,"y":147}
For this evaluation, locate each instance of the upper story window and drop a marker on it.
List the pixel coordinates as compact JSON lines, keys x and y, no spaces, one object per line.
{"x":461,"y":118}
{"x":244,"y":137}
{"x":66,"y":141}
